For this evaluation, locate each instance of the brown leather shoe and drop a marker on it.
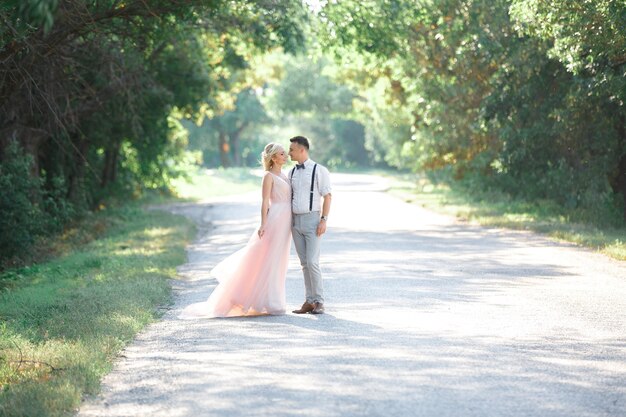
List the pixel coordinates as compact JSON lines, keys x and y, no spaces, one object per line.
{"x":319,"y":308}
{"x":306,"y":308}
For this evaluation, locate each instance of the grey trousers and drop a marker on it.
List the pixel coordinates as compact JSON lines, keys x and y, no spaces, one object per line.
{"x":307,"y":243}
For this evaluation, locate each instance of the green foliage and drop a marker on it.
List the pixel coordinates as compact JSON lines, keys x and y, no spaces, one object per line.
{"x":521,"y":95}
{"x":234,"y":130}
{"x":293,"y":95}
{"x":315,"y":105}
{"x":56,"y":206}
{"x":349,"y":136}
{"x":306,"y":89}
{"x":29,"y":208}
{"x":560,"y":141}
{"x":97,"y":92}
{"x":587,"y":37}
{"x":21,"y":219}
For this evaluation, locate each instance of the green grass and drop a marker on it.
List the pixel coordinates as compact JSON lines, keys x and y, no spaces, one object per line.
{"x":63,"y":322}
{"x":205,"y":183}
{"x":500,"y":210}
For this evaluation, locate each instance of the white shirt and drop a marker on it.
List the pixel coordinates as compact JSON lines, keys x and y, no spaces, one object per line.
{"x":301,"y":187}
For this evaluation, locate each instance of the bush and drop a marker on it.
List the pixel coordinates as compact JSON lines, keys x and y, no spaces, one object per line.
{"x":21,"y":219}
{"x":28,"y":209}
{"x":57,"y":208}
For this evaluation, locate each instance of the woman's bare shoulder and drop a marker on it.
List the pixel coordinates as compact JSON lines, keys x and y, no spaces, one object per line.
{"x":268,"y":178}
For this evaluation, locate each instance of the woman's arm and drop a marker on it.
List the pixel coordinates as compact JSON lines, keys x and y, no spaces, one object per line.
{"x":266,"y":190}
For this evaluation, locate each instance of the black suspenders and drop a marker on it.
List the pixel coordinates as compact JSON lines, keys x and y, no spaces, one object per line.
{"x":312,"y":185}
{"x":291,"y":178}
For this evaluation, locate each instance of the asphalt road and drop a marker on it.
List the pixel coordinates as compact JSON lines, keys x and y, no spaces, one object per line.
{"x":425,"y":317}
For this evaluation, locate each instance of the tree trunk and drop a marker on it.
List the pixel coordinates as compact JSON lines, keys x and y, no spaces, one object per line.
{"x":234,"y":140}
{"x":116,"y":157}
{"x":104,"y":181}
{"x":236,"y":143}
{"x":619,"y":182}
{"x":224,"y":148}
{"x":76,"y":187}
{"x":109,"y":170}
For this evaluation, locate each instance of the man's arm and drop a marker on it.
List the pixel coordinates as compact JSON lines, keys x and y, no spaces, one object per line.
{"x":321,"y":227}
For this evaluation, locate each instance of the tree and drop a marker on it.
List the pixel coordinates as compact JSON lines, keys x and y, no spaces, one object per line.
{"x":588,"y":39}
{"x":224,"y":134}
{"x":308,"y":98}
{"x":530,"y":101}
{"x":94,"y":91}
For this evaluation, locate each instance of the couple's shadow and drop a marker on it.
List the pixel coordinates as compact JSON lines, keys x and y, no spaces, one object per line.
{"x":199,"y":290}
{"x":326,"y":322}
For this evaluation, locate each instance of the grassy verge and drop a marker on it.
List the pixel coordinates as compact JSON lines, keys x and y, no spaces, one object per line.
{"x":500,"y":210}
{"x":62,"y":322}
{"x":205,"y":183}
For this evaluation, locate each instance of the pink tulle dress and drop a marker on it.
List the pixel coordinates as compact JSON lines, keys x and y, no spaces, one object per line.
{"x":252,"y":280}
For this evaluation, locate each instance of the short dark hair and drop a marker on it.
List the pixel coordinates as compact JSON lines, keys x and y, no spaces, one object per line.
{"x":301,"y":140}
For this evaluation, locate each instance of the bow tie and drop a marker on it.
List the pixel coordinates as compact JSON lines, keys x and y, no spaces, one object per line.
{"x":299,"y":166}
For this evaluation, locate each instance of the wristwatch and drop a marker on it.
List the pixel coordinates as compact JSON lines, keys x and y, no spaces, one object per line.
{"x":324,"y":218}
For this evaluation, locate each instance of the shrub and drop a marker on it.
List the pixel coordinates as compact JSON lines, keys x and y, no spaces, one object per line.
{"x":21,"y":218}
{"x":28,"y":207}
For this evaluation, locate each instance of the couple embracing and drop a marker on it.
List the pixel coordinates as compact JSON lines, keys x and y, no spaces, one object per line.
{"x":252,"y":280}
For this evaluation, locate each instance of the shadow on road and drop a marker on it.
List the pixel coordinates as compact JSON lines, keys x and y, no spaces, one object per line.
{"x":425,"y":317}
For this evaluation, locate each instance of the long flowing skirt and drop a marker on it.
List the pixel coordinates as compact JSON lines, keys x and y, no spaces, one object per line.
{"x":252,"y":280}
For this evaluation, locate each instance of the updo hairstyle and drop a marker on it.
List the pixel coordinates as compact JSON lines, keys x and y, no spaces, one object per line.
{"x":268,"y":153}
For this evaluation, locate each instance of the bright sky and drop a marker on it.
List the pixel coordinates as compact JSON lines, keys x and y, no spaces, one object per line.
{"x":315,"y":5}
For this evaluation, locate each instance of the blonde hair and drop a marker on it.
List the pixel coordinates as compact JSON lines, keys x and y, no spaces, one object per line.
{"x":268,"y":153}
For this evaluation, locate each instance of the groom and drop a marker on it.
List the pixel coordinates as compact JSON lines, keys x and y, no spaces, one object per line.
{"x":310,"y":183}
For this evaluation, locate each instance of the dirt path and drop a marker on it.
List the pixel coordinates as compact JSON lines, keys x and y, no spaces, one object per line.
{"x":425,"y":317}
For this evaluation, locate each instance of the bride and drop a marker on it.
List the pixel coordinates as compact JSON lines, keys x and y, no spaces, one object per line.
{"x":252,"y":280}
